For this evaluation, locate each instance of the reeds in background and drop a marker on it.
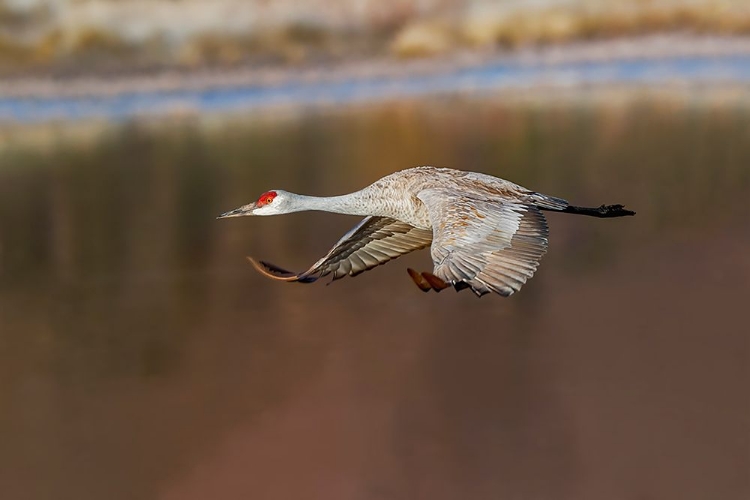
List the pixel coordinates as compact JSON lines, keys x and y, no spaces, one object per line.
{"x":109,"y":35}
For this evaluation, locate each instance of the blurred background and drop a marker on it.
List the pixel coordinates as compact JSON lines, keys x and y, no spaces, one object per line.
{"x":141,"y":356}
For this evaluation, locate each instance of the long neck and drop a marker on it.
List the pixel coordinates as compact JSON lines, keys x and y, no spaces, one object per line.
{"x":357,"y":203}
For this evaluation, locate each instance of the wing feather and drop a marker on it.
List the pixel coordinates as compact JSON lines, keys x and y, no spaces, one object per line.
{"x":372,"y":242}
{"x":487,"y":244}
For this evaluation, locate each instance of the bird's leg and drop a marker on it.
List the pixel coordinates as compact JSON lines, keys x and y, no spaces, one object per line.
{"x":427,"y":281}
{"x":602,"y":211}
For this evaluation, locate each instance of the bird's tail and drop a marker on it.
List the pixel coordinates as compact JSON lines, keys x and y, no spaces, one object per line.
{"x":547,"y":202}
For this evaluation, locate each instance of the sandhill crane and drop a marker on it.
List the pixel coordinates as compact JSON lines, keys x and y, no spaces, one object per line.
{"x":486,"y":233}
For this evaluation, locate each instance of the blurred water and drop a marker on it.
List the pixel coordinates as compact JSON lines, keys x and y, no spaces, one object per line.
{"x":489,"y":77}
{"x":141,"y":357}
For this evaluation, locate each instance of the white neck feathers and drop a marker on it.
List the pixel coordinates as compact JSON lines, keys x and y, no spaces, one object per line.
{"x":357,"y":203}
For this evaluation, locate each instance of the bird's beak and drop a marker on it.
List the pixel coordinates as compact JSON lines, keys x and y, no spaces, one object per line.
{"x":239,"y":212}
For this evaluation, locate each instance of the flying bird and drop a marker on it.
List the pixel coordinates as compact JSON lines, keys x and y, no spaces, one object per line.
{"x":484,"y":233}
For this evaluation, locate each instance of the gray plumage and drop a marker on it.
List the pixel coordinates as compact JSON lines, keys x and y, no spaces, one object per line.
{"x":485,"y":233}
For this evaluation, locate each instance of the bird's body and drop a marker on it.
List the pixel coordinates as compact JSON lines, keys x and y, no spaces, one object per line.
{"x":486,"y":233}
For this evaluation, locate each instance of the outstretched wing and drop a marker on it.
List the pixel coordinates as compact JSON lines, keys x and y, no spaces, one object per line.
{"x":374,"y":241}
{"x":487,"y":244}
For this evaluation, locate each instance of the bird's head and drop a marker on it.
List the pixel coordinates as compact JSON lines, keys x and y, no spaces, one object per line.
{"x":269,"y":203}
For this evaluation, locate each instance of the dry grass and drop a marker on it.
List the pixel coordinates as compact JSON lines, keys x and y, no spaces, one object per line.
{"x":587,"y":20}
{"x":193,"y":33}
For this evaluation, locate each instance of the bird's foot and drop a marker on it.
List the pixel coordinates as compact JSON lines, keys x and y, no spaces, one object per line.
{"x":427,"y":281}
{"x":614,"y":211}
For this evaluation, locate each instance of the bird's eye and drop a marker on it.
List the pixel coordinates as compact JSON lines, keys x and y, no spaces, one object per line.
{"x":266,"y":198}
